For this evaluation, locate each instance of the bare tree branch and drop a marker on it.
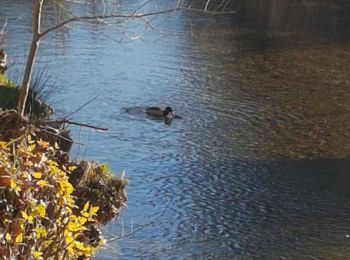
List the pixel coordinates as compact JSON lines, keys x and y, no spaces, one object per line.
{"x":141,"y":6}
{"x":96,"y":17}
{"x":23,"y":93}
{"x":3,"y":27}
{"x":65,"y":9}
{"x":82,"y":124}
{"x":46,"y":123}
{"x":60,"y":136}
{"x":81,"y":107}
{"x":206,"y":6}
{"x":130,"y":16}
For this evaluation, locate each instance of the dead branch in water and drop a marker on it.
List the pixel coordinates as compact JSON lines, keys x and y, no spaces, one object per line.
{"x":66,"y":121}
{"x":82,"y":124}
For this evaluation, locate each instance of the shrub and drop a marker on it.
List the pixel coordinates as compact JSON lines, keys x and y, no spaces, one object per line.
{"x":39,"y":216}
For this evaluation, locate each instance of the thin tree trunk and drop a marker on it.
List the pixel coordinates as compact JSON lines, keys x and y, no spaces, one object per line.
{"x":23,"y":93}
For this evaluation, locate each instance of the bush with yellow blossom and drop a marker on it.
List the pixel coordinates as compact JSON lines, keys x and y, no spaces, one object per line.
{"x":39,"y":216}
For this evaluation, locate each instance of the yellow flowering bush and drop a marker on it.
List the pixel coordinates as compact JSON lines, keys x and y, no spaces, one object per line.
{"x":39,"y":218}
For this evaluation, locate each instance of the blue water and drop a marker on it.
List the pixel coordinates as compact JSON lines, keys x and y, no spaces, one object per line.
{"x":257,"y":168}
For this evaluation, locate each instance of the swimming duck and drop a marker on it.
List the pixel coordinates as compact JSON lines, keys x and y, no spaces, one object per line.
{"x":3,"y":61}
{"x":166,"y":112}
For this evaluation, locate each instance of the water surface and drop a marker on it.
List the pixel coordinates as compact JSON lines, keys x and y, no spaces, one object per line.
{"x":259,"y":165}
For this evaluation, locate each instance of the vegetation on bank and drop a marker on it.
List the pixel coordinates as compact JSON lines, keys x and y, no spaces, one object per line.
{"x":35,"y":108}
{"x":4,"y":81}
{"x":50,"y":207}
{"x":39,"y":214}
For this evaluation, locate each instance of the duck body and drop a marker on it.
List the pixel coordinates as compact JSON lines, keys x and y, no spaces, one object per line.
{"x":166,"y":112}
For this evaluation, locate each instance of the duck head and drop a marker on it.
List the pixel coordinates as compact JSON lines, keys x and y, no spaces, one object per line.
{"x":169,"y":112}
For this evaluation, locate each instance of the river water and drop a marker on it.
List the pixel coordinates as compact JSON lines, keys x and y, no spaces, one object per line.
{"x":257,"y":168}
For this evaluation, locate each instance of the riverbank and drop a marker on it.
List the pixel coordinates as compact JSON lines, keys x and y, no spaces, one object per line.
{"x":50,"y":205}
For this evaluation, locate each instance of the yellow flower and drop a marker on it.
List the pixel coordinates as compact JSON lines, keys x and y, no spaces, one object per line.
{"x":41,"y":183}
{"x":40,"y":232}
{"x":37,"y":255}
{"x":29,"y":219}
{"x":43,"y":144}
{"x":14,"y":186}
{"x":104,"y":168}
{"x":37,"y":175}
{"x":82,"y":220}
{"x":8,"y":237}
{"x":19,"y":238}
{"x":65,"y":188}
{"x":40,"y":210}
{"x":73,"y":227}
{"x":86,"y":206}
{"x":30,"y":148}
{"x":51,"y":163}
{"x":84,"y":249}
{"x":28,"y":163}
{"x":89,"y":214}
{"x":3,"y":145}
{"x":70,"y":249}
{"x":47,"y":243}
{"x":94,"y":210}
{"x":68,"y":237}
{"x":72,"y":168}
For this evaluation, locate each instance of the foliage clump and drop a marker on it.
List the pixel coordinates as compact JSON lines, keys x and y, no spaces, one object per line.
{"x":39,"y":91}
{"x":41,"y":217}
{"x":35,"y":108}
{"x":98,"y":185}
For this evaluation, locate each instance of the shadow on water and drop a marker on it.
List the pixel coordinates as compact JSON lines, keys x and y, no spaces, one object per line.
{"x":281,"y":85}
{"x":283,"y":212}
{"x":259,"y":210}
{"x":299,"y":19}
{"x":249,"y":209}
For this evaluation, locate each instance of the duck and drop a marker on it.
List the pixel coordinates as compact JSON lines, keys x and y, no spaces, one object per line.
{"x":3,"y":61}
{"x":166,"y":112}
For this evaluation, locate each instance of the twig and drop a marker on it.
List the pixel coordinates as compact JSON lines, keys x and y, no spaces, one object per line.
{"x":178,"y":3}
{"x":226,"y":4}
{"x":47,"y":123}
{"x":66,"y":121}
{"x":127,"y":235}
{"x":65,"y":9}
{"x":60,"y":136}
{"x":220,"y":5}
{"x":141,"y":6}
{"x":4,"y":27}
{"x":104,"y":7}
{"x":82,"y":124}
{"x":208,"y":12}
{"x":81,"y":107}
{"x":206,"y":6}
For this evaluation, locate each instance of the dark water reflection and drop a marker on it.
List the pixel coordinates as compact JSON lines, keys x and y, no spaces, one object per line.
{"x":303,"y":19}
{"x":258,"y":166}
